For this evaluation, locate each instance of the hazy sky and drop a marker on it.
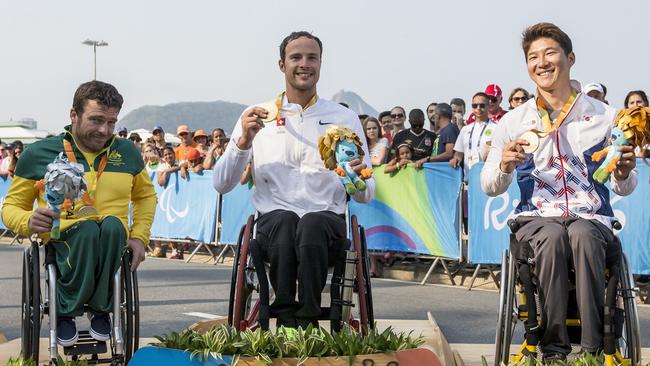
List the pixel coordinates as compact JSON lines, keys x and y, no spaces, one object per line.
{"x":389,"y":52}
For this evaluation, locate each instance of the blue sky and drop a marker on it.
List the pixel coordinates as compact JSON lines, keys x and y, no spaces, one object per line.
{"x":389,"y":52}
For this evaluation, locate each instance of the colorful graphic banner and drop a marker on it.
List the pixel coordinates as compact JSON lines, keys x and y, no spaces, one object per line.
{"x":489,"y":234}
{"x":186,"y":209}
{"x":235,"y":209}
{"x":414,"y":211}
{"x":5,"y":183}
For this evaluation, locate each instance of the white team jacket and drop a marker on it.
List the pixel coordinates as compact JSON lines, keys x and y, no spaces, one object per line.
{"x":287,"y":169}
{"x":557,"y":181}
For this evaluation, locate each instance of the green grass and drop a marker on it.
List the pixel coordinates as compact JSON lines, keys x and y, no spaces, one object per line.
{"x":294,"y":343}
{"x":582,"y":360}
{"x":30,"y":362}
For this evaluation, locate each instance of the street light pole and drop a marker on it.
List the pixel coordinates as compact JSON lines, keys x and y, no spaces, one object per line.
{"x":95,"y":44}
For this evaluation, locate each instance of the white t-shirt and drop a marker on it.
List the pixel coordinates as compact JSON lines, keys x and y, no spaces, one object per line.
{"x":474,"y":141}
{"x":287,"y":168}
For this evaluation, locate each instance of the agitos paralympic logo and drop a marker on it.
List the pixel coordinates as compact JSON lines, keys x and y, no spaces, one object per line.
{"x":166,"y":206}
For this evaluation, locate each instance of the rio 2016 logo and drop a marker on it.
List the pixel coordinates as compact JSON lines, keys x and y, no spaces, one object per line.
{"x":495,"y":217}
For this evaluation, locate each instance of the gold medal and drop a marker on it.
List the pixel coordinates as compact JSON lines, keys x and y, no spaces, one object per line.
{"x":272,"y":110}
{"x":533,"y":141}
{"x":86,"y":211}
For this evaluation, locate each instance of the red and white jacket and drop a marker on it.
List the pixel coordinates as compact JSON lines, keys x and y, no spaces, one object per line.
{"x":557,"y":181}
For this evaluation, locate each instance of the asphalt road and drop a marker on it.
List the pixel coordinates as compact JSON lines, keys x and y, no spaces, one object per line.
{"x":173,"y":292}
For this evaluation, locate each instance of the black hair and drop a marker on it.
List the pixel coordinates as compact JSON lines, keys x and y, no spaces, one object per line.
{"x":104,"y":93}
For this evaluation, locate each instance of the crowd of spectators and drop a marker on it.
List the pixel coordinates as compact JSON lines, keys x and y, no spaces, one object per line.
{"x":451,"y":135}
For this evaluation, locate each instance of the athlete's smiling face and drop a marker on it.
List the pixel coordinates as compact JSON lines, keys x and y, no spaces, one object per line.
{"x":548,"y":65}
{"x":301,"y":64}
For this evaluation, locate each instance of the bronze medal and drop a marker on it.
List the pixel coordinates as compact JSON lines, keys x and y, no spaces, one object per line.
{"x":533,"y":140}
{"x":86,"y":211}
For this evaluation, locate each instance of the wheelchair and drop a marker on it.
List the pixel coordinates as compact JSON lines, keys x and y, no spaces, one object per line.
{"x":250,"y":292}
{"x":125,"y":317}
{"x":622,"y":339}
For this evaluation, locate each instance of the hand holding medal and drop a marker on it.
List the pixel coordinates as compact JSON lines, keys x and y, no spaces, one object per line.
{"x":64,"y":183}
{"x":253,"y":120}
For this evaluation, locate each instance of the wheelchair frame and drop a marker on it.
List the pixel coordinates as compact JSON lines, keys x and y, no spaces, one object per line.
{"x":249,"y":276}
{"x":620,"y":293}
{"x":35,"y":303}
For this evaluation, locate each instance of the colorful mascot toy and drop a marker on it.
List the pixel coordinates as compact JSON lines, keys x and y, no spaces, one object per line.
{"x":63,"y":183}
{"x":338,"y":147}
{"x":631,"y":127}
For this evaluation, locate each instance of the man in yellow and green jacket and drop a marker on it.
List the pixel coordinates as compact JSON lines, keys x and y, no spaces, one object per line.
{"x":89,"y":250}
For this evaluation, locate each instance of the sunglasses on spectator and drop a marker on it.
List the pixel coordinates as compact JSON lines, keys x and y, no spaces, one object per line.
{"x":397,"y":115}
{"x":478,"y":105}
{"x":520,"y":99}
{"x":492,"y":99}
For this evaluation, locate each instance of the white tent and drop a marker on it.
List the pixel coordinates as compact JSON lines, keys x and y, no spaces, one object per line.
{"x":26,"y":135}
{"x":145,"y":134}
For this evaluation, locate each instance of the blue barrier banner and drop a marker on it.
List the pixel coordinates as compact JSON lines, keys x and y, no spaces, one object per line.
{"x":5,"y":183}
{"x":186,"y":208}
{"x":489,"y":234}
{"x":414,"y":211}
{"x":235,"y":209}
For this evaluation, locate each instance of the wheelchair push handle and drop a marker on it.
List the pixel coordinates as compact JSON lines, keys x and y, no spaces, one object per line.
{"x":513,"y":225}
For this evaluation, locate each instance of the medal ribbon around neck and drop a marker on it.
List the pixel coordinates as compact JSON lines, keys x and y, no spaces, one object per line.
{"x":550,"y":126}
{"x":88,"y":196}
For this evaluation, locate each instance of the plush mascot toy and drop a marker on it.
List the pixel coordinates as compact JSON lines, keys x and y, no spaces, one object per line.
{"x":338,"y":147}
{"x":631,"y":126}
{"x":63,"y":183}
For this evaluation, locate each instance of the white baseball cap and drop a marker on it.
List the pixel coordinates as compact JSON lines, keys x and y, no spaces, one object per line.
{"x":593,"y":87}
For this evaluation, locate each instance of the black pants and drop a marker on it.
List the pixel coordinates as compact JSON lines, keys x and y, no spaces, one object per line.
{"x":299,"y":249}
{"x":560,"y":244}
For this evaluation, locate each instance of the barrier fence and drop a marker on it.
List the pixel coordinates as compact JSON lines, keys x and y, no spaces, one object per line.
{"x":414,"y":211}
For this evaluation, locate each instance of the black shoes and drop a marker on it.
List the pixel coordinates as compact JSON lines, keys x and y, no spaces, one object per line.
{"x":554,"y":358}
{"x":100,"y":327}
{"x":66,"y":331}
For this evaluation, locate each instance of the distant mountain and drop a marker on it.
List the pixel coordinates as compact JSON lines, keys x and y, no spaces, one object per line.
{"x":197,"y":115}
{"x":209,"y":115}
{"x":355,"y":102}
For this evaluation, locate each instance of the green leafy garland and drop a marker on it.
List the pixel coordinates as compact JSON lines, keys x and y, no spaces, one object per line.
{"x":287,"y":342}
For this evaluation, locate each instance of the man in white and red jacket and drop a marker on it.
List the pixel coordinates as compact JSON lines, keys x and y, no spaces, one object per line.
{"x":564,"y":214}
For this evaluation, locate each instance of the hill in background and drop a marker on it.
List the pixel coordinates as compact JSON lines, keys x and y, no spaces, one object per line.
{"x":209,"y":115}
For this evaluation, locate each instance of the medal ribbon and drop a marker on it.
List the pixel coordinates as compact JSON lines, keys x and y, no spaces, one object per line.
{"x":278,"y":103}
{"x":89,"y":196}
{"x":550,"y":126}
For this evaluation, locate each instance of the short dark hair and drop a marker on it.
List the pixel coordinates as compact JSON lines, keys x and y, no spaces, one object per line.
{"x":640,"y":93}
{"x":457,"y":101}
{"x":295,"y":35}
{"x":444,"y":110}
{"x":416,"y":115}
{"x":218,"y":129}
{"x":104,"y":93}
{"x":432,"y":104}
{"x":383,"y":114}
{"x":545,"y":30}
{"x":480,"y":94}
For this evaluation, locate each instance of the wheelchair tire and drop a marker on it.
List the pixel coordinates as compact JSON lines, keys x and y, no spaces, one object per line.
{"x":241,"y":295}
{"x":130,"y":312}
{"x":361,"y":270}
{"x":31,"y":303}
{"x":506,"y":309}
{"x":233,"y":278}
{"x":366,"y":273}
{"x":630,"y":346}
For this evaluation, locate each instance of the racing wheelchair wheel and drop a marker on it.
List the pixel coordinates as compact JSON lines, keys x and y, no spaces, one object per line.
{"x":506,"y":319}
{"x":129,"y":309}
{"x":630,"y":342}
{"x":366,"y":315}
{"x":241,"y":289}
{"x":31,"y":303}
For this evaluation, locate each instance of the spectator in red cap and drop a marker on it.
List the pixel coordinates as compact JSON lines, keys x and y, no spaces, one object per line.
{"x":194,"y":160}
{"x":495,"y":96}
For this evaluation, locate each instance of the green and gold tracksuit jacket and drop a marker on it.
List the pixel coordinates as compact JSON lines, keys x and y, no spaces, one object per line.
{"x":123,"y":181}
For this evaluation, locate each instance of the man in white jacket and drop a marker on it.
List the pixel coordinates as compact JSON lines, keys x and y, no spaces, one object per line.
{"x":564,"y":213}
{"x":301,"y":203}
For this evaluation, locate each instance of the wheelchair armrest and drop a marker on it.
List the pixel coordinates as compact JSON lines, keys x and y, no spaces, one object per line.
{"x":513,"y":225}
